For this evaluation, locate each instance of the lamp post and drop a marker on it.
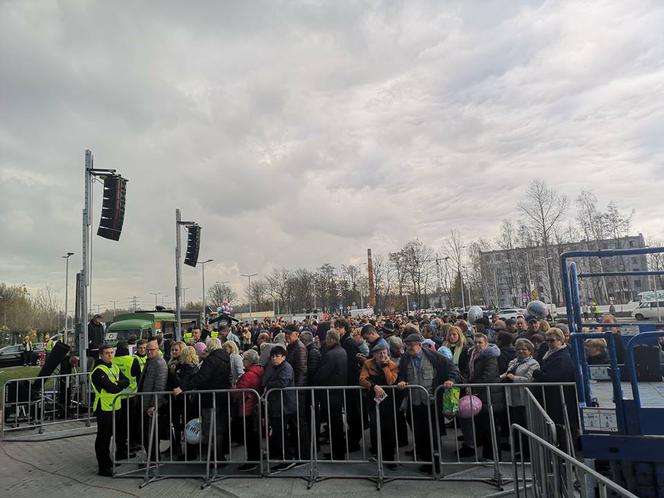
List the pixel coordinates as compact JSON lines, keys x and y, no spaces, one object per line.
{"x":184,"y":295}
{"x":203,"y":263}
{"x":249,"y":275}
{"x":66,"y":257}
{"x":155,"y":294}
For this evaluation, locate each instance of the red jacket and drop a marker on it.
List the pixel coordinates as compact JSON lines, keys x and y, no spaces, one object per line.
{"x":251,"y":379}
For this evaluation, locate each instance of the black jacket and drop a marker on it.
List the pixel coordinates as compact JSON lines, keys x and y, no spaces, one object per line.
{"x":313,"y":362}
{"x":485,"y":371}
{"x":558,"y":367}
{"x":215,"y":373}
{"x":354,"y":366}
{"x":280,"y":377}
{"x":333,"y":371}
{"x":95,"y":335}
{"x":507,"y":354}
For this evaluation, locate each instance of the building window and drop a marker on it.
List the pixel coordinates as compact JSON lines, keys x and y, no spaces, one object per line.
{"x":637,"y":283}
{"x":631,"y":243}
{"x":634,"y":262}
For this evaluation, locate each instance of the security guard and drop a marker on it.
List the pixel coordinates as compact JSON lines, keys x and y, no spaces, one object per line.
{"x":188,"y":337}
{"x":214,"y":333}
{"x":140,"y":357}
{"x":107,"y":381}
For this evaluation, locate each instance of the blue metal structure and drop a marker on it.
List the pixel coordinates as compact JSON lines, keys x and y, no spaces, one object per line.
{"x":634,"y":447}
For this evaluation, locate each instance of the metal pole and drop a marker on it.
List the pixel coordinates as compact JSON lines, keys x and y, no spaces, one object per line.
{"x":178,"y":278}
{"x":463,"y":299}
{"x":249,"y":275}
{"x":64,"y":334}
{"x":85,"y":255}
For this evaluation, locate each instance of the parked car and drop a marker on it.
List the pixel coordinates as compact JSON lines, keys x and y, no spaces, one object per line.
{"x":649,"y":310}
{"x":11,"y":356}
{"x":513,"y":313}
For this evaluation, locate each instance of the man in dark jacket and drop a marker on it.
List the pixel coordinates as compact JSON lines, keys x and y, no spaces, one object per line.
{"x":313,"y":355}
{"x":333,"y":372}
{"x":296,"y":357}
{"x":353,"y":397}
{"x":214,"y":374}
{"x":427,"y":369}
{"x":95,"y":339}
{"x":153,"y":379}
{"x":281,"y":409}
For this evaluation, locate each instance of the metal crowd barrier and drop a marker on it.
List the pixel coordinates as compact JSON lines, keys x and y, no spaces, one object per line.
{"x":486,"y":439}
{"x":139,"y":434}
{"x":316,"y":433}
{"x":47,"y":407}
{"x":553,"y":473}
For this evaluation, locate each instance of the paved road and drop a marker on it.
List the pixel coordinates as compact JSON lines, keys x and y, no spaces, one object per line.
{"x":67,"y":467}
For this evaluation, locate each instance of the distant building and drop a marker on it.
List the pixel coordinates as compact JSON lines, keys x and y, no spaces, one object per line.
{"x":512,"y":277}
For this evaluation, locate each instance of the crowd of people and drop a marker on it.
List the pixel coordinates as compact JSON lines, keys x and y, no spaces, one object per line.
{"x":350,"y":371}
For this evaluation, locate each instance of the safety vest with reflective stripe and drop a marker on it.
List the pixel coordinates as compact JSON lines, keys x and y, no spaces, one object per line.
{"x":214,"y":334}
{"x":109,"y":401}
{"x":188,"y":337}
{"x":49,"y":346}
{"x":141,"y":361}
{"x":125,"y":363}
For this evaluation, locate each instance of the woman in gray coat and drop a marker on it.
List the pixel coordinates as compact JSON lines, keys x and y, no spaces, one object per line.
{"x":520,"y":371}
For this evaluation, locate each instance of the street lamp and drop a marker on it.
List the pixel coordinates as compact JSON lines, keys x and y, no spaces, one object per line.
{"x":155,"y":294}
{"x":203,"y":263}
{"x":249,"y":275}
{"x":66,"y":257}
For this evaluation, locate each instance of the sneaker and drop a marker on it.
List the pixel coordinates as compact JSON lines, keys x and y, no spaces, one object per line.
{"x":283,"y":466}
{"x":247,"y":467}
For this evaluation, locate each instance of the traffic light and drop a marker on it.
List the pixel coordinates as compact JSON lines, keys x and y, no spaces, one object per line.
{"x":113,"y":207}
{"x":193,"y":245}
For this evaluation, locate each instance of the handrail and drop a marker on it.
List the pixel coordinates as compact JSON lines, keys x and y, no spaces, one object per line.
{"x":631,"y":364}
{"x":570,"y":460}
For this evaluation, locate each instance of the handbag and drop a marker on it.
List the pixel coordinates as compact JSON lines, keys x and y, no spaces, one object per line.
{"x":451,"y":401}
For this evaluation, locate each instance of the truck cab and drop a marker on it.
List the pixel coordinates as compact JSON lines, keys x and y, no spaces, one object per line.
{"x":141,"y":325}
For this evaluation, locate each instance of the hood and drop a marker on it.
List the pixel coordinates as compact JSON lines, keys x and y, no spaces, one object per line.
{"x":256,"y":368}
{"x":491,"y":352}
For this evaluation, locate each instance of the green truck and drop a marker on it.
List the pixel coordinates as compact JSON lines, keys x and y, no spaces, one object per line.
{"x":145,"y":324}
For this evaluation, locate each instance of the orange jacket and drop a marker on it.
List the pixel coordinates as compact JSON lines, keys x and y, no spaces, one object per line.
{"x":370,"y":374}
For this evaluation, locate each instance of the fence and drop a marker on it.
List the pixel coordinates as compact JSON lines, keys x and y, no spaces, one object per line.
{"x":317,"y":433}
{"x":556,"y":474}
{"x":52,"y":406}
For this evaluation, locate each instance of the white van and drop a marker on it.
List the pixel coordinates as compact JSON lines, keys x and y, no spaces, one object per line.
{"x":648,"y":310}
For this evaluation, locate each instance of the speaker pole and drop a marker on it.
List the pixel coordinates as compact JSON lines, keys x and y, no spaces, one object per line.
{"x":178,"y":277}
{"x":85,"y":258}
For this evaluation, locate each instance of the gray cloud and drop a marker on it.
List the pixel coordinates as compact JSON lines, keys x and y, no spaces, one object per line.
{"x":302,"y":133}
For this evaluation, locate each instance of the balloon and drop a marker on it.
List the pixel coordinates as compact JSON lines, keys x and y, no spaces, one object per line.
{"x":536,"y":309}
{"x":192,"y":431}
{"x":469,"y":406}
{"x":474,"y":314}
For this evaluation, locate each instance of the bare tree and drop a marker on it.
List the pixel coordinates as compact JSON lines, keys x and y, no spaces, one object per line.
{"x":544,"y":209}
{"x":219,"y":293}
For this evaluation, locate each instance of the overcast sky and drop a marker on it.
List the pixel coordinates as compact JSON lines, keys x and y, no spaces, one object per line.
{"x":298,"y":133}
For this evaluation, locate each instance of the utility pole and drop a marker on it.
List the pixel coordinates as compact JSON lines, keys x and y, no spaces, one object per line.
{"x":64,"y":333}
{"x":249,"y":275}
{"x":155,"y":294}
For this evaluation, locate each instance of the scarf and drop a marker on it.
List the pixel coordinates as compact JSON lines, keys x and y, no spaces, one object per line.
{"x":456,"y":354}
{"x":474,"y":355}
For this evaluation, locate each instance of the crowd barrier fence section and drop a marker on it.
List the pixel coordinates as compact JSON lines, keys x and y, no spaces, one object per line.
{"x":202,"y":431}
{"x":484,"y":442}
{"x":557,"y":473}
{"x":52,"y":406}
{"x":318,"y":433}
